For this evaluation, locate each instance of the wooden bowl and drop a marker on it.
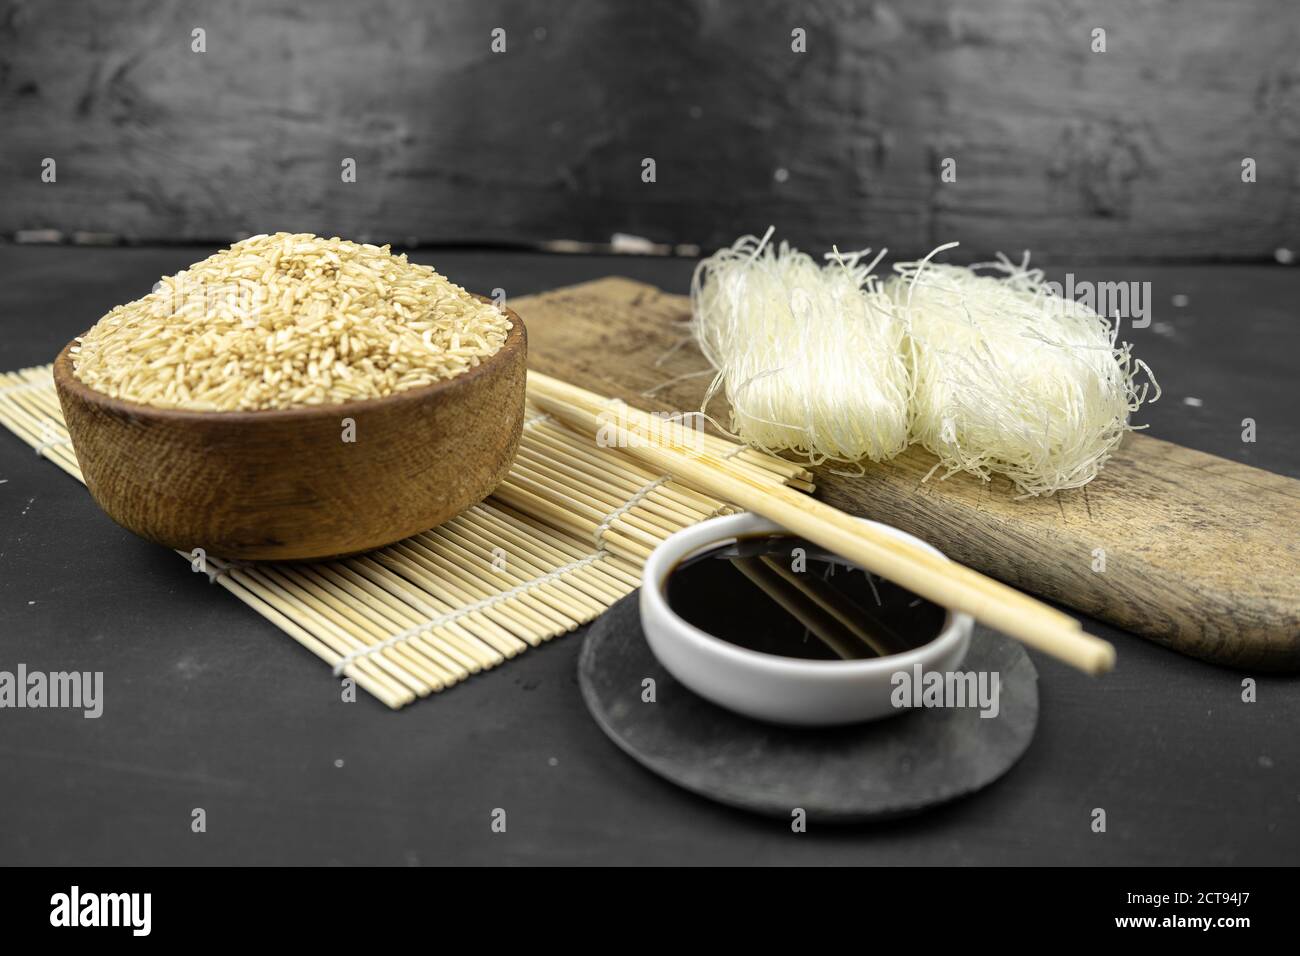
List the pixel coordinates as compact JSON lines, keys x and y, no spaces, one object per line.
{"x":284,"y":484}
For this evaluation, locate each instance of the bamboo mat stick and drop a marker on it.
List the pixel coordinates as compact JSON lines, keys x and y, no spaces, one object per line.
{"x":944,"y":582}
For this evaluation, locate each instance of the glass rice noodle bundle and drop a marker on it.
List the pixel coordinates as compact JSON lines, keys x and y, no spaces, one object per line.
{"x":986,"y":367}
{"x":809,"y":356}
{"x":1010,"y":378}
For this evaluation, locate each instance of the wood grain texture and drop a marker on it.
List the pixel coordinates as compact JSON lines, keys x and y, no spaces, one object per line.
{"x":1131,"y":153}
{"x":283,"y":484}
{"x":1201,"y":554}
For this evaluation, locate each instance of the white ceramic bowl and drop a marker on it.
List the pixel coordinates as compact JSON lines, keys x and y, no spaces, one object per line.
{"x":782,"y":690}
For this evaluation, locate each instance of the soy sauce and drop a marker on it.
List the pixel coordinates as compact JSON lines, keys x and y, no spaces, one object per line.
{"x":784,"y":595}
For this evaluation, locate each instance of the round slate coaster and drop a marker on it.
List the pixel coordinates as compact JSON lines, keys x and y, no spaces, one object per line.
{"x":871,"y":771}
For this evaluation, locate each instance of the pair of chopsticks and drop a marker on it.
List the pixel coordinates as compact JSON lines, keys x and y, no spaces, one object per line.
{"x":944,"y":582}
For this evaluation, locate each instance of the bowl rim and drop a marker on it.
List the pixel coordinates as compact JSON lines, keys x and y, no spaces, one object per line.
{"x":66,"y":380}
{"x":721,"y":530}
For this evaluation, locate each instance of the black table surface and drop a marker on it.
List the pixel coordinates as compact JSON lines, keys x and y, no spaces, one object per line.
{"x":207,"y":705}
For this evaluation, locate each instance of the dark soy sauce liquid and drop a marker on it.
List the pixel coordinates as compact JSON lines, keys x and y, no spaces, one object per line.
{"x":784,"y":595}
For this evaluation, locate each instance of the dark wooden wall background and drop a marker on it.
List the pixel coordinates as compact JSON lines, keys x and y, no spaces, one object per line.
{"x":1134,"y":153}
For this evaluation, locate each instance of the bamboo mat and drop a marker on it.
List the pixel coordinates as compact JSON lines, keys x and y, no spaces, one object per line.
{"x":560,"y":540}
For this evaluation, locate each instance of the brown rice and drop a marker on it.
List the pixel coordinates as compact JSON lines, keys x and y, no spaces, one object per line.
{"x":285,"y":321}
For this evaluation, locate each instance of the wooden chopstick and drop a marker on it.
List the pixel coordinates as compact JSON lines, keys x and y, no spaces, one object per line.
{"x":942,"y":581}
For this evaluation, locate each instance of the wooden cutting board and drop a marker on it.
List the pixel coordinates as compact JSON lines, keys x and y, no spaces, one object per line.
{"x":1200,"y":554}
